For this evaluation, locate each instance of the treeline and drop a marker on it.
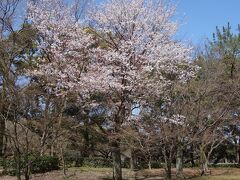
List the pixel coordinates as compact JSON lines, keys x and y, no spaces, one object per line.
{"x":117,"y":91}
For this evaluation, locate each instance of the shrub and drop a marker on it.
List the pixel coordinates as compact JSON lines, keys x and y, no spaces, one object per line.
{"x":37,"y":164}
{"x":225,"y":165}
{"x":97,"y":162}
{"x":42,"y":164}
{"x":73,"y":159}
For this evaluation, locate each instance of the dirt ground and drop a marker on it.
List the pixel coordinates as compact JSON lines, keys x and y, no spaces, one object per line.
{"x":154,"y":174}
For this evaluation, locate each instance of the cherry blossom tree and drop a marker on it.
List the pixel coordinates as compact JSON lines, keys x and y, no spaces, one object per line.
{"x":63,"y":45}
{"x":128,"y":53}
{"x":140,"y":56}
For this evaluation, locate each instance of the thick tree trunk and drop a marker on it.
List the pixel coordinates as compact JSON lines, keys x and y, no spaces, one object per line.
{"x":116,"y":155}
{"x":204,"y":168}
{"x":204,"y":163}
{"x":168,"y":164}
{"x":179,"y":163}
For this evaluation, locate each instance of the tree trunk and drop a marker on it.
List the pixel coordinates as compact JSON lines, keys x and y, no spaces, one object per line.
{"x":52,"y":150}
{"x":149,"y":163}
{"x":63,"y":162}
{"x":192,"y":156}
{"x":179,"y":163}
{"x":132,"y":161}
{"x":204,"y":168}
{"x":116,"y":155}
{"x":168,"y":164}
{"x":17,"y":159}
{"x":225,"y":160}
{"x":42,"y":143}
{"x":168,"y":170}
{"x":237,"y":154}
{"x":204,"y":163}
{"x":2,"y":132}
{"x":27,"y":171}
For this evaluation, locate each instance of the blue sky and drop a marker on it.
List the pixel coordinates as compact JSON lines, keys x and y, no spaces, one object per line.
{"x":199,"y":18}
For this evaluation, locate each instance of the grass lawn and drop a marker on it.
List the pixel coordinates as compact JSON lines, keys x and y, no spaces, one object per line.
{"x":84,"y":173}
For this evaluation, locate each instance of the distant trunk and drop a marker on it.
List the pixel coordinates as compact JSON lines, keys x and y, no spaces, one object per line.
{"x":63,"y":161}
{"x":51,"y":153}
{"x":132,"y":161}
{"x":238,"y":155}
{"x":179,"y":163}
{"x":150,"y":163}
{"x":116,"y":155}
{"x":27,"y":160}
{"x":237,"y":151}
{"x":27,"y":169}
{"x":2,"y":132}
{"x":17,"y":159}
{"x":192,"y":156}
{"x":42,"y":143}
{"x":225,"y":160}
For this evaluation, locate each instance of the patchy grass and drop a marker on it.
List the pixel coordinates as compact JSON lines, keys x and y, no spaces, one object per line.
{"x":220,"y":178}
{"x":84,"y":173}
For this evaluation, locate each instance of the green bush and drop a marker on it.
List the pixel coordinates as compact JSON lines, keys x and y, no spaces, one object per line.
{"x":42,"y":164}
{"x":97,"y":162}
{"x":73,"y":159}
{"x":37,"y":164}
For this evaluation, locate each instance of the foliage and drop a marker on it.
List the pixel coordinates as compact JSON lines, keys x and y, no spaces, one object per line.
{"x":37,"y":164}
